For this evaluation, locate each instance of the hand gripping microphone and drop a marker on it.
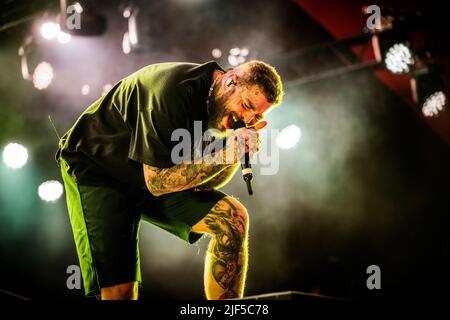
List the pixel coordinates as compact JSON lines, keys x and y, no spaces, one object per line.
{"x":246,"y":168}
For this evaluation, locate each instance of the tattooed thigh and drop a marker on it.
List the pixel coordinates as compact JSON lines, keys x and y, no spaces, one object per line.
{"x":227,"y":222}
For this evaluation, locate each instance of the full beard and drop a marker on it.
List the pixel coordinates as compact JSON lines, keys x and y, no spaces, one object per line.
{"x":217,"y":112}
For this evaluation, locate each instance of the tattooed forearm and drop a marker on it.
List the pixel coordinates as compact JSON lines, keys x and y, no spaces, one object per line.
{"x":179,"y":177}
{"x":219,"y":180}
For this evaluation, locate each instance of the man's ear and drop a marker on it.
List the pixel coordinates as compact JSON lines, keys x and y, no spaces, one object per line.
{"x":231,"y":79}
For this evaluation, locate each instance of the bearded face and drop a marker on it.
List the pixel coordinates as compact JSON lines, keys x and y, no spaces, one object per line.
{"x":220,"y":116}
{"x":236,"y":102}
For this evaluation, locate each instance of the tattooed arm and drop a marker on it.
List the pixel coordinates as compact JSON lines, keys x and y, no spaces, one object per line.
{"x":219,"y":180}
{"x":180,"y":177}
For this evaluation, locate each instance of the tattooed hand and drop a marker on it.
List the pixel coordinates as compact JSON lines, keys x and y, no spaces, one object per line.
{"x":246,"y":140}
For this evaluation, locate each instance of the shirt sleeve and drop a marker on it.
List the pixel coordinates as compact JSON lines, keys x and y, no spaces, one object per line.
{"x":161,"y":112}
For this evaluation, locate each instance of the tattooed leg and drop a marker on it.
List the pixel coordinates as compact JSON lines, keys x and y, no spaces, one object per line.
{"x":226,"y":258}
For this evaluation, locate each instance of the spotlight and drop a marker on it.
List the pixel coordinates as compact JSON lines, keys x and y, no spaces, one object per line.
{"x":244,"y":52}
{"x":127,"y":13}
{"x":42,"y":75}
{"x":23,"y":53}
{"x":130,"y":38}
{"x":289,"y":137}
{"x":63,"y":37}
{"x":126,"y":45}
{"x":395,"y":51}
{"x":232,"y":60}
{"x":216,"y":53}
{"x":50,"y":191}
{"x":49,"y":30}
{"x":398,"y":58}
{"x":235,"y":51}
{"x":106,"y":88}
{"x":132,"y":28}
{"x":434,"y":104}
{"x":85,"y":89}
{"x":428,"y":92}
{"x":15,"y":155}
{"x":237,"y":56}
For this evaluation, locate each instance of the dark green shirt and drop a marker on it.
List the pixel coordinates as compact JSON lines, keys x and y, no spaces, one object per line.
{"x":133,"y":123}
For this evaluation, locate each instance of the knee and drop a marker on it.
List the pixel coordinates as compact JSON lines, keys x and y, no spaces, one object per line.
{"x":124,"y":291}
{"x":238,"y":215}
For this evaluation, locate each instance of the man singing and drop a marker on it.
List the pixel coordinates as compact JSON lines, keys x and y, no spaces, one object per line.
{"x":117,"y":169}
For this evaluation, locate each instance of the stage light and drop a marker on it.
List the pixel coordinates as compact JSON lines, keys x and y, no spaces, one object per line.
{"x":132,"y":28}
{"x":23,"y":53}
{"x":434,"y":104}
{"x":85,"y":89}
{"x":42,"y":75}
{"x":232,"y":60}
{"x":50,"y":191}
{"x":106,"y":88}
{"x":15,"y":155}
{"x":395,"y":51}
{"x":126,"y":13}
{"x":237,"y":56}
{"x":235,"y":51}
{"x":49,"y":30}
{"x":428,"y":90}
{"x":126,"y":46}
{"x":63,"y":37}
{"x":399,"y":58}
{"x":244,"y":52}
{"x":216,"y":53}
{"x":130,"y":38}
{"x":289,"y":137}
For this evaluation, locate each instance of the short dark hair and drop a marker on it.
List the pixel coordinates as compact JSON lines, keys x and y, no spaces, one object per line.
{"x":266,"y":77}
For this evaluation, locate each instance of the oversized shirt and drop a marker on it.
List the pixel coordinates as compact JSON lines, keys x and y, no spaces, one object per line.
{"x":133,"y":123}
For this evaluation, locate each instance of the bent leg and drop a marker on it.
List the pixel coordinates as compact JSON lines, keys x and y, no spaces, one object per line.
{"x":226,"y":258}
{"x":105,"y":224}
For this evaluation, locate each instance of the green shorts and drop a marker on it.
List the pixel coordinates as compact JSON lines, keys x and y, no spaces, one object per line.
{"x":105,"y":223}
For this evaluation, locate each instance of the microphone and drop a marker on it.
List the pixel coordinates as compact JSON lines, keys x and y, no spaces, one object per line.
{"x":246,"y":168}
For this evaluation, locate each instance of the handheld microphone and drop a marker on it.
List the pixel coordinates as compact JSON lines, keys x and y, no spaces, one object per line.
{"x":246,"y":168}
